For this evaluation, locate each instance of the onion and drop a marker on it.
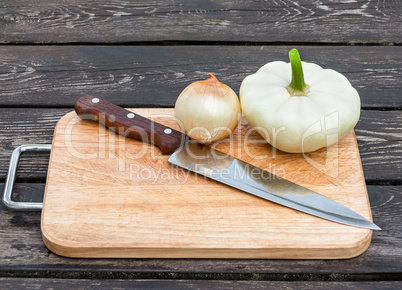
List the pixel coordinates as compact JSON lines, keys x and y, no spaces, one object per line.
{"x":208,"y":110}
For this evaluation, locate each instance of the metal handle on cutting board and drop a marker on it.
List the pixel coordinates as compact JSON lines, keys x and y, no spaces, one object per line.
{"x":12,"y":170}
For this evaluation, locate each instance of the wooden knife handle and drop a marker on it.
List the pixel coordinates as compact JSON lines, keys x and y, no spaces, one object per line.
{"x":128,"y":124}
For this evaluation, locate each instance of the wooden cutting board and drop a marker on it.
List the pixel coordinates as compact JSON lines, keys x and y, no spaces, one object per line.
{"x":108,"y":196}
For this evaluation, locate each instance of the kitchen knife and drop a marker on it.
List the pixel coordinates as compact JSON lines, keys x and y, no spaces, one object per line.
{"x":216,"y":165}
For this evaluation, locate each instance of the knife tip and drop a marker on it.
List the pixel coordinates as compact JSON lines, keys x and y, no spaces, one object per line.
{"x":375,"y":227}
{"x":370,"y":225}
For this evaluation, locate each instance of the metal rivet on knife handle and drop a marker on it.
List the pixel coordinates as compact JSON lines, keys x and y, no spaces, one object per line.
{"x":124,"y":123}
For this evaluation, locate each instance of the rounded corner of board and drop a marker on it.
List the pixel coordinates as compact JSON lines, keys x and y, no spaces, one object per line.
{"x":65,"y":119}
{"x":68,"y":116}
{"x":55,"y":245}
{"x":359,"y":246}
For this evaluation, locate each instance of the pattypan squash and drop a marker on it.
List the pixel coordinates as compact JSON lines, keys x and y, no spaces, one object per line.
{"x":299,"y":107}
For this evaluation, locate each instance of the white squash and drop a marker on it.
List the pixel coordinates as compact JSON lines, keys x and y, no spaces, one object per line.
{"x":296,"y":116}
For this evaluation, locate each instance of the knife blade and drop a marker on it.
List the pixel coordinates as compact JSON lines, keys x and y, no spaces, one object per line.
{"x":216,"y":165}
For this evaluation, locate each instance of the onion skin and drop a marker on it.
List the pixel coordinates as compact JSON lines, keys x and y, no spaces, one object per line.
{"x":208,"y":110}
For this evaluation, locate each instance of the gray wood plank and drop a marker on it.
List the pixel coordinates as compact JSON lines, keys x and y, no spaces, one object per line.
{"x":67,"y":284}
{"x":22,"y":252}
{"x":285,"y":21}
{"x":379,"y":136}
{"x":149,"y":76}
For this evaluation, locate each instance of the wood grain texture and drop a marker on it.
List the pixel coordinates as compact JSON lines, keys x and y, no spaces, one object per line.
{"x":154,"y":76}
{"x":67,"y":284}
{"x":258,"y":21}
{"x":110,"y":196}
{"x":385,"y":135}
{"x":34,"y":80}
{"x":378,"y":135}
{"x":22,"y":249}
{"x":22,"y":126}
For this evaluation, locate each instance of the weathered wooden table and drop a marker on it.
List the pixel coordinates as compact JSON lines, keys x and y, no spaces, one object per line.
{"x":142,"y":54}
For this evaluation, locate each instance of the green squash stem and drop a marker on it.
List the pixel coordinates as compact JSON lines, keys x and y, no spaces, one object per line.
{"x":297,"y":86}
